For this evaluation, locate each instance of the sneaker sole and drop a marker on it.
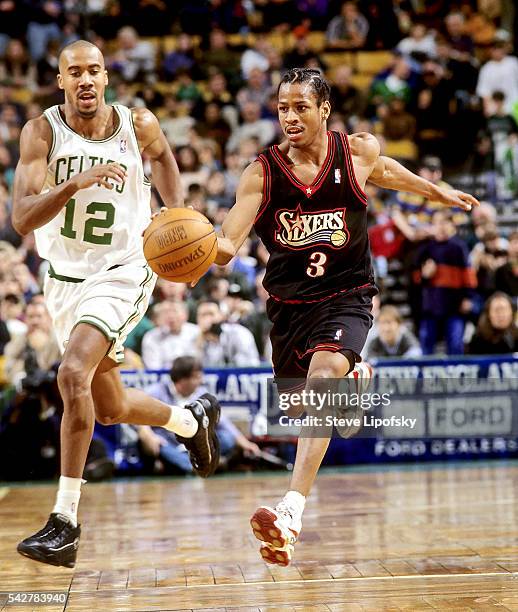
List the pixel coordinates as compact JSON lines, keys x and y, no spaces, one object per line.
{"x":212,"y":438}
{"x":35,"y":555}
{"x":274,"y":556}
{"x":263,"y":523}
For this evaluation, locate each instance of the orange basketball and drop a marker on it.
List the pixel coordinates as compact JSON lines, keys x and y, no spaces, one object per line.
{"x":180,"y":245}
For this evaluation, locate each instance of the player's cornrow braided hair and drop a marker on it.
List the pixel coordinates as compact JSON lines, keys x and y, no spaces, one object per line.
{"x":308,"y":75}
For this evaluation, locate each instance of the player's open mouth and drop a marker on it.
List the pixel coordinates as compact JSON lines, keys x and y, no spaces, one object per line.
{"x":292,"y":131}
{"x":87,"y":96}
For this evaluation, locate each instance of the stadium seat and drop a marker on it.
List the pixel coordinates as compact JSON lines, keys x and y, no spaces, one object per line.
{"x":372,"y":62}
{"x":404,"y":149}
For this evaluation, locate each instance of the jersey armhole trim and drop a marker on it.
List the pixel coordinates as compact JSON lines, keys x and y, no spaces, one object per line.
{"x":266,"y":187}
{"x":48,"y":117}
{"x":350,"y":169}
{"x":147,"y":182}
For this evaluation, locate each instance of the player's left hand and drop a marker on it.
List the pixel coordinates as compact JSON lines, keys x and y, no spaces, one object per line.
{"x":457,"y":199}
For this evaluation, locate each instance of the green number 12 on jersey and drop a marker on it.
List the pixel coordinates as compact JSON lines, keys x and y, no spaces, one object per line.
{"x":89,"y":235}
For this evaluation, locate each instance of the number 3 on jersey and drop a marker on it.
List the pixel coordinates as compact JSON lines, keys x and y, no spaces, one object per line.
{"x":317,"y":267}
{"x":106,"y":208}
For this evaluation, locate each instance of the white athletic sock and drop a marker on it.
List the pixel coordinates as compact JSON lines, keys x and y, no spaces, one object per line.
{"x":296,"y":500}
{"x":182,"y":422}
{"x":67,"y":499}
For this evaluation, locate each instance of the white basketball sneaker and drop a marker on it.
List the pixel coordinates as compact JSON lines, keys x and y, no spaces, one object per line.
{"x":278,"y":528}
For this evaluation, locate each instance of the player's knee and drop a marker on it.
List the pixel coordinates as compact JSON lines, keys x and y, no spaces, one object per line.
{"x":327,"y":371}
{"x":72,"y":379}
{"x":111,"y":414}
{"x":109,"y":418}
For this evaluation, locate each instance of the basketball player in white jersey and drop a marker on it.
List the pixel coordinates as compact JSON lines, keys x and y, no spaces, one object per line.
{"x":80,"y":186}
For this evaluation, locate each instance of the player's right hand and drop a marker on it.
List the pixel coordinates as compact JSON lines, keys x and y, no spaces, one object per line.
{"x":100,"y":175}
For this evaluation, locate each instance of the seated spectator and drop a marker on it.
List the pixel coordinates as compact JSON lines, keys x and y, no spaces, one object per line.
{"x":190,"y":168}
{"x":45,"y":21}
{"x":393,"y":338}
{"x":482,"y":218}
{"x":497,"y":332}
{"x":216,"y":91}
{"x":315,"y":12}
{"x":48,"y":92}
{"x":477,"y":26}
{"x":224,"y":344}
{"x":185,"y":386}
{"x":500,"y":73}
{"x":486,"y":257}
{"x":258,"y":322}
{"x":186,"y":88}
{"x":252,"y":126}
{"x":7,"y":232}
{"x":500,"y":126}
{"x":230,"y":16}
{"x":256,"y":89}
{"x":433,"y":110}
{"x":216,"y":196}
{"x":244,"y":264}
{"x":133,"y":59}
{"x":214,"y":126}
{"x":346,"y":99}
{"x":278,"y":15}
{"x":462,"y":69}
{"x":447,"y":282}
{"x":398,"y":123}
{"x":301,"y":53}
{"x":392,"y":84}
{"x":173,"y":336}
{"x":26,"y":280}
{"x":11,"y":312}
{"x":37,"y":346}
{"x":12,"y":23}
{"x":16,"y":66}
{"x":420,"y":41}
{"x":220,"y":57}
{"x":384,"y":32}
{"x":418,"y":209}
{"x":183,"y":58}
{"x":256,"y":56}
{"x":176,"y":121}
{"x":506,"y":276}
{"x":347,"y":30}
{"x":457,"y":36}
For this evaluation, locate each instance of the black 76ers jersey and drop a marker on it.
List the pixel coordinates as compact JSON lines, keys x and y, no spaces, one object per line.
{"x":316,"y":234}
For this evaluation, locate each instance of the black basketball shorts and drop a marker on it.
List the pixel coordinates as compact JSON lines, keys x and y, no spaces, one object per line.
{"x":339,"y":324}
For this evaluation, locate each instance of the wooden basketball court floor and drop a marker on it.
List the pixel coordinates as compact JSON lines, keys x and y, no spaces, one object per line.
{"x":431,"y":538}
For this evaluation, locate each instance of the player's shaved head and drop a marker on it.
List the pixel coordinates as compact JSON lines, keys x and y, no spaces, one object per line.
{"x":83,"y":77}
{"x":71,"y":50}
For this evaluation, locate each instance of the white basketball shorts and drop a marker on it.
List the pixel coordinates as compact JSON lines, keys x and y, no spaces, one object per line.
{"x":113,"y":300}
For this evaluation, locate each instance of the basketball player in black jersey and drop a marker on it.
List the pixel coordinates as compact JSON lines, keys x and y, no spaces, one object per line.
{"x":307,"y":203}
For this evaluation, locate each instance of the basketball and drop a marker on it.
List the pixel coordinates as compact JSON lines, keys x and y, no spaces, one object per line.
{"x":338,"y":238}
{"x":180,"y":245}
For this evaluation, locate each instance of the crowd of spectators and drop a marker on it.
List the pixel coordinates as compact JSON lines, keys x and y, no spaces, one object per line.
{"x":446,"y":94}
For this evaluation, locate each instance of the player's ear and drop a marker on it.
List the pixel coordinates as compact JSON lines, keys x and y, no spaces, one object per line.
{"x":106,"y":77}
{"x":60,"y":81}
{"x":325,"y":110}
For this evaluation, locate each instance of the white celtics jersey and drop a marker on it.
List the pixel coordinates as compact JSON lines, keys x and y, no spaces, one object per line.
{"x":99,"y":227}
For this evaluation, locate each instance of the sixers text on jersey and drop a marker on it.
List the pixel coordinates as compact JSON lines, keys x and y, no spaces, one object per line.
{"x":316,"y":234}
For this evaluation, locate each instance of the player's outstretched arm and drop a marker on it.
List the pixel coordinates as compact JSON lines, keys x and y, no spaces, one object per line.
{"x":241,"y":216}
{"x":32,"y":209}
{"x":390,"y":174}
{"x":164,"y":168}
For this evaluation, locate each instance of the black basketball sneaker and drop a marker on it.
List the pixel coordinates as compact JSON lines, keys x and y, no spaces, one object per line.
{"x":56,"y":543}
{"x":203,"y":447}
